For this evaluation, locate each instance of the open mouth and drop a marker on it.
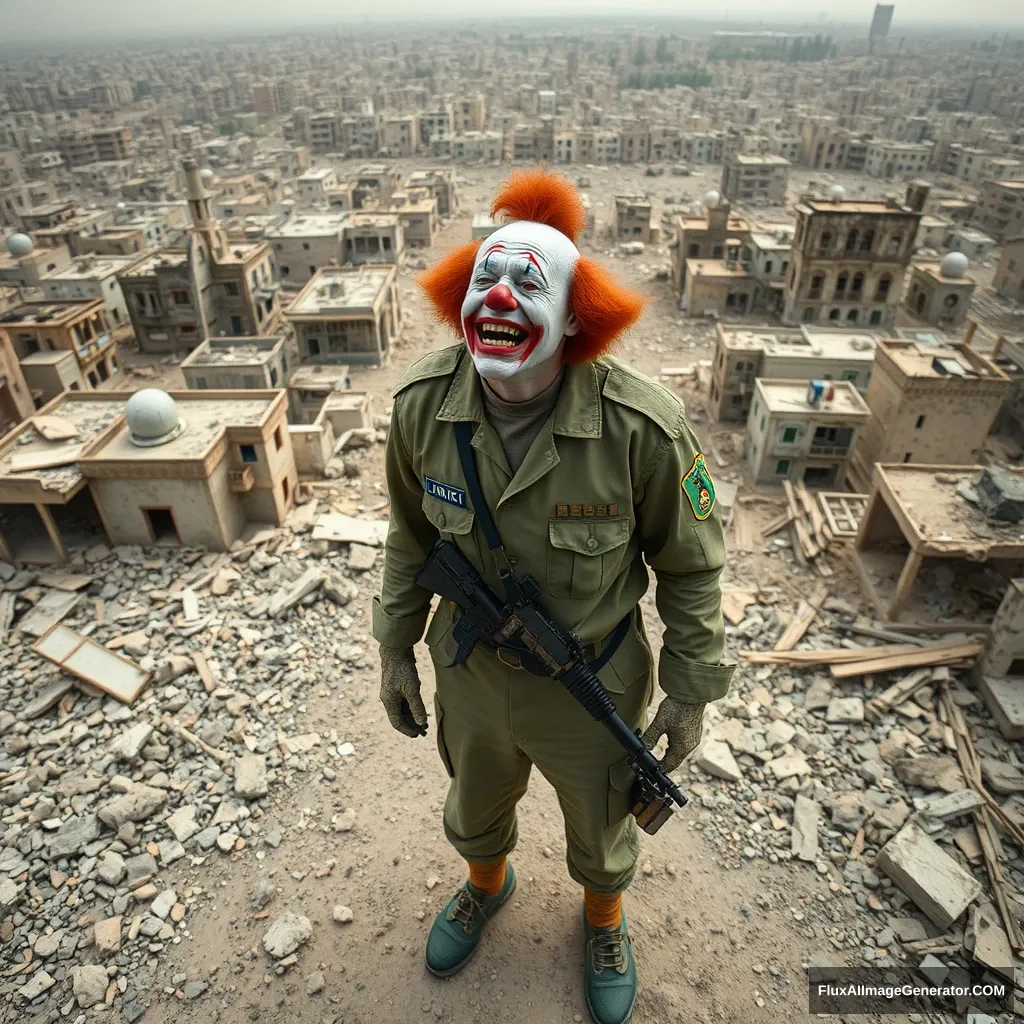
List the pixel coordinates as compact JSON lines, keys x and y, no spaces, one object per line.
{"x":497,"y":334}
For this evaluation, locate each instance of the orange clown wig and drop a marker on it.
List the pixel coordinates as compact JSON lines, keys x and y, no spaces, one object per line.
{"x":602,"y":307}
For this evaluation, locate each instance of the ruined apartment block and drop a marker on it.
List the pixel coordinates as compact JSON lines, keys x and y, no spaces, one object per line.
{"x":1009,"y":276}
{"x":758,"y":179}
{"x":304,"y":243}
{"x":633,"y":221}
{"x":78,"y":326}
{"x":930,"y":404}
{"x":850,"y":258}
{"x":703,"y":238}
{"x":373,"y":238}
{"x":940,"y":293}
{"x":347,"y":316}
{"x":250,"y":364}
{"x":744,"y":354}
{"x":803,"y":431}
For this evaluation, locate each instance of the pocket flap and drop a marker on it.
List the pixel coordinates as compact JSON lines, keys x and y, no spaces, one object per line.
{"x":588,"y":537}
{"x":447,"y":518}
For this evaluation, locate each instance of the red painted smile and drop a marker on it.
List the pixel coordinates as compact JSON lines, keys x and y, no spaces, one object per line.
{"x":493,"y":336}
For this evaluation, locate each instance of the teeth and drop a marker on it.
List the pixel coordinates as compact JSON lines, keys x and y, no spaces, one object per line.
{"x":502,"y":335}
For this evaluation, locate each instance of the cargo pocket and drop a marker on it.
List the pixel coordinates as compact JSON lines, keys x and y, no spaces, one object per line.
{"x":584,"y":555}
{"x":439,"y":639}
{"x":442,"y":747}
{"x":632,"y":662}
{"x":621,"y":781}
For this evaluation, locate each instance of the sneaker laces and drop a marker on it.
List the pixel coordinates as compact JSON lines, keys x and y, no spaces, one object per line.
{"x":465,"y":910}
{"x":608,"y":950}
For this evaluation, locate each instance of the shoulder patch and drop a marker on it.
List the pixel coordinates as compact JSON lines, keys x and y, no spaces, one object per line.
{"x":699,"y":488}
{"x":631,"y":388}
{"x":438,"y":363}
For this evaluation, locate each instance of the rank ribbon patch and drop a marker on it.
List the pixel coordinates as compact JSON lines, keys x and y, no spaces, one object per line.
{"x":698,"y":488}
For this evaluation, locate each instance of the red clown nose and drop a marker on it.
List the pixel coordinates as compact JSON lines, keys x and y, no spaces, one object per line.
{"x":501,"y":299}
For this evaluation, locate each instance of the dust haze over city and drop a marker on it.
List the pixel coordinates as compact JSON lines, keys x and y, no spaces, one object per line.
{"x":742,"y":341}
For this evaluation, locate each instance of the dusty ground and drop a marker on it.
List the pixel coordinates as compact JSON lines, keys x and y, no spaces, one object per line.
{"x":715,"y":941}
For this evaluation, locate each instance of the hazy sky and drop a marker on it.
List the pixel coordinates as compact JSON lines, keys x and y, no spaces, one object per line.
{"x":39,"y":19}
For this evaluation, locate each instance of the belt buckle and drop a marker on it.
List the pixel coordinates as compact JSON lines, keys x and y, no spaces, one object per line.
{"x":508,"y":664}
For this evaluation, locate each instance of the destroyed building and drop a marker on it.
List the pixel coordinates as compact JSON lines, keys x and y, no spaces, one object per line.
{"x":803,"y":431}
{"x":932,"y":405}
{"x":1009,"y":275}
{"x":702,"y":238}
{"x":183,"y":468}
{"x":347,"y":316}
{"x":940,"y":293}
{"x":743,"y":354}
{"x":236,"y":363}
{"x":305,"y":242}
{"x":755,"y":178}
{"x":850,"y":258}
{"x":633,"y":222}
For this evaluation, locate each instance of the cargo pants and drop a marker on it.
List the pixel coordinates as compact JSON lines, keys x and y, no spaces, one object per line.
{"x":494,"y":723}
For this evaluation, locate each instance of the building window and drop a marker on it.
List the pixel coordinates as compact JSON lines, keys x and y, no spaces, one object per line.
{"x":895,"y":243}
{"x":273,"y":375}
{"x":693,"y":251}
{"x":826,"y":241}
{"x":851,"y":241}
{"x":851,"y":376}
{"x":768,"y":266}
{"x":236,"y":325}
{"x":231,"y":289}
{"x":180,"y":297}
{"x":841,"y":283}
{"x":867,"y":243}
{"x":247,"y":453}
{"x":200,"y":383}
{"x":882,"y":291}
{"x":920,"y":423}
{"x":789,"y":434}
{"x":278,"y":443}
{"x":852,"y":316}
{"x":186,"y":329}
{"x":857,"y":287}
{"x":285,"y":489}
{"x":906,"y":456}
{"x":286,"y":271}
{"x":782,"y":467}
{"x":716,"y":253}
{"x":876,"y":316}
{"x":305,"y":245}
{"x":809,"y":315}
{"x":833,"y":314}
{"x":816,"y":285}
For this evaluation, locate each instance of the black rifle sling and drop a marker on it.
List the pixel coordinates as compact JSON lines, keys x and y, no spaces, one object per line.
{"x":464,"y":443}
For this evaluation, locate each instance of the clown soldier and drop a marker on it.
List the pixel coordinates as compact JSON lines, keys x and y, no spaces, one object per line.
{"x":589,"y":471}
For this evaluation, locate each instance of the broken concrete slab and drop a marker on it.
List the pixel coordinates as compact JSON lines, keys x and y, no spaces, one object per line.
{"x":930,"y":772}
{"x":1001,"y":776}
{"x":908,"y":929}
{"x":73,"y":835}
{"x":251,"y":776}
{"x":288,"y":596}
{"x":138,"y":804}
{"x":361,"y":557}
{"x":845,"y":709}
{"x":928,"y":875}
{"x":342,"y":529}
{"x":131,"y":741}
{"x":49,"y":610}
{"x":788,"y":766}
{"x":55,"y":428}
{"x":47,"y":698}
{"x":804,"y":840}
{"x":952,"y":805}
{"x":716,"y":759}
{"x":182,"y":823}
{"x":1000,"y":494}
{"x":986,"y":941}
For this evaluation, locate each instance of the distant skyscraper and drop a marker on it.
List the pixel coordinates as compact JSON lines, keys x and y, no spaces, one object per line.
{"x":880,"y":25}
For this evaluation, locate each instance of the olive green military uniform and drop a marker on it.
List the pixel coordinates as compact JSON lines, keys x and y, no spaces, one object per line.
{"x":613,"y":479}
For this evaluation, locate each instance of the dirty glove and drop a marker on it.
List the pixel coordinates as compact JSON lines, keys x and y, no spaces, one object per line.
{"x":681,"y":723}
{"x":400,"y":691}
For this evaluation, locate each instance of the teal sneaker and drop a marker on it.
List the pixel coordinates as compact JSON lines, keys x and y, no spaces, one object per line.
{"x":609,"y":973}
{"x":456,"y":931}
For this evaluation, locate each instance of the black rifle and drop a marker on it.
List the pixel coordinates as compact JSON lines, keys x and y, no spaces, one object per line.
{"x":519,"y":624}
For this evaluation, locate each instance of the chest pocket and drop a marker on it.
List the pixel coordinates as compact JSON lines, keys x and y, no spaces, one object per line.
{"x":453,"y":523}
{"x":584,"y":555}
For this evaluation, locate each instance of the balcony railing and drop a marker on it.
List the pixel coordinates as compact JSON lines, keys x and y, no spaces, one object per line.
{"x":241,"y":479}
{"x":829,"y":449}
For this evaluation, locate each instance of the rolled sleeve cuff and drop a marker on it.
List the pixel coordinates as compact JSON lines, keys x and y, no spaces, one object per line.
{"x":397,"y":630}
{"x":691,"y":681}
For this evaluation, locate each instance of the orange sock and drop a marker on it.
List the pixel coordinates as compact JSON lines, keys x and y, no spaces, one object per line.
{"x":603,"y":911}
{"x":488,"y":877}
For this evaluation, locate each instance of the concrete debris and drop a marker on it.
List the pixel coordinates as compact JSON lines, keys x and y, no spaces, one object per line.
{"x":1001,"y":777}
{"x":288,"y":596}
{"x":89,"y":985}
{"x":930,"y":772}
{"x":806,"y":814}
{"x":286,"y":934}
{"x":138,"y":804}
{"x":716,"y":759}
{"x":131,"y":741}
{"x":342,"y":914}
{"x":929,"y":876}
{"x":251,"y":776}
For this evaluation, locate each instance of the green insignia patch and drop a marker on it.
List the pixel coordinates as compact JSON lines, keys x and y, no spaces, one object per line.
{"x":699,"y":489}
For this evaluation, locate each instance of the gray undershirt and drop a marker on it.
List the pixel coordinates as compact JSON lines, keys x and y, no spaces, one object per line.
{"x":517,"y":424}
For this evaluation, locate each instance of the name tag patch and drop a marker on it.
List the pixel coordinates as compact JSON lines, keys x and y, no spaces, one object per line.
{"x":597,"y":511}
{"x":452,"y":495}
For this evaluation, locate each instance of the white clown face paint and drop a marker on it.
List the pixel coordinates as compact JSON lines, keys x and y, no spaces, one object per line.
{"x":515,"y":315}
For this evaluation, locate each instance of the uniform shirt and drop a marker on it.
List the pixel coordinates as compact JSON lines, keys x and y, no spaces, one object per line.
{"x":518,"y":423}
{"x":599,"y":493}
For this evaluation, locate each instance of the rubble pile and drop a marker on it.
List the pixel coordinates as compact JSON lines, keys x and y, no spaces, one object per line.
{"x":99,"y":797}
{"x":836,"y":771}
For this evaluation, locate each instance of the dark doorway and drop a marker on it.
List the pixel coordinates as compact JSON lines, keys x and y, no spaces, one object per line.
{"x":820,"y":476}
{"x":25,"y":535}
{"x":161,"y":526}
{"x":78,"y":522}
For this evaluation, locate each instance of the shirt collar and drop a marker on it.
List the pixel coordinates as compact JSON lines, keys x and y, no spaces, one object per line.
{"x":577,"y":411}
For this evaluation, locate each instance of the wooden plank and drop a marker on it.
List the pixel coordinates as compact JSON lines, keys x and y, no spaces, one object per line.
{"x":25,"y":462}
{"x":826,"y":508}
{"x":734,"y":603}
{"x":204,"y":670}
{"x":7,"y":600}
{"x":826,"y":655}
{"x":813,"y":514}
{"x":64,"y":580}
{"x":898,"y":692}
{"x":190,"y":605}
{"x":921,"y":656}
{"x":881,"y":634}
{"x":794,"y":632}
{"x":777,"y":524}
{"x":55,"y":428}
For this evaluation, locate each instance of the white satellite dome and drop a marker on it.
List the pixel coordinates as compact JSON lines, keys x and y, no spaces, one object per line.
{"x":836,"y":193}
{"x":152,"y":417}
{"x":711,"y":198}
{"x":20,"y":244}
{"x":122,"y":206}
{"x":206,"y":176}
{"x":954,"y":264}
